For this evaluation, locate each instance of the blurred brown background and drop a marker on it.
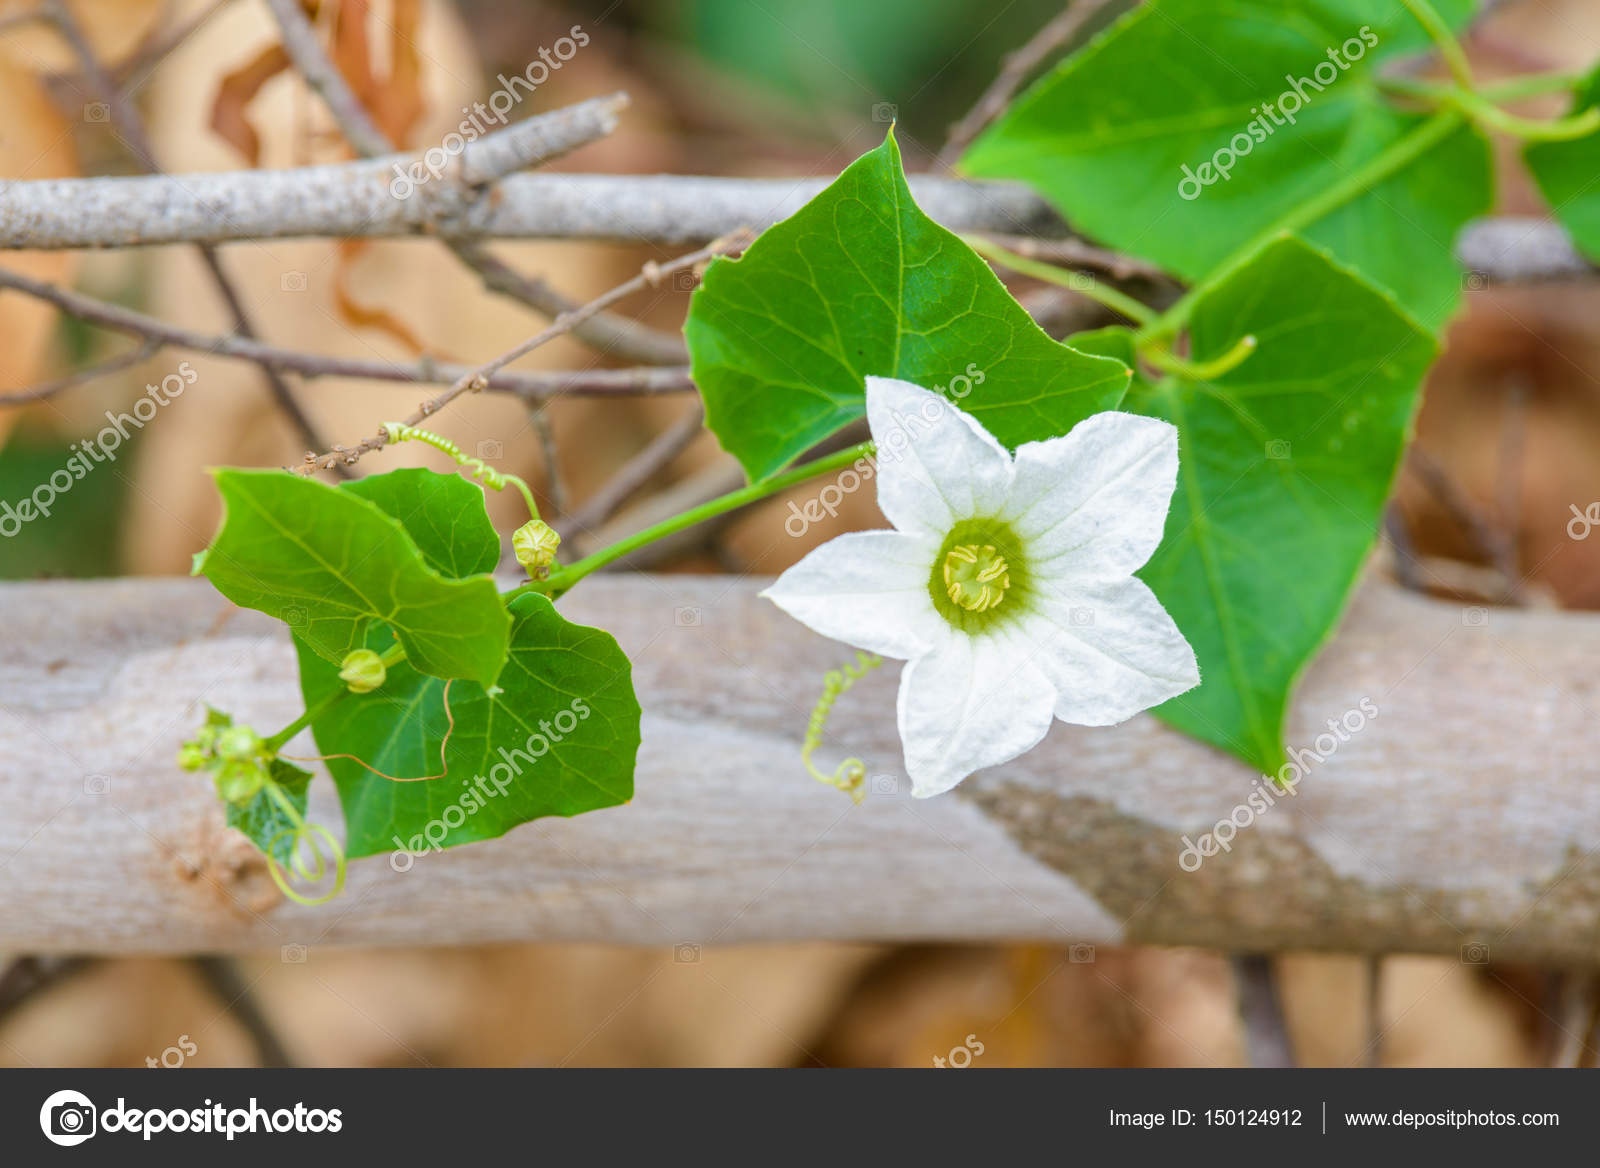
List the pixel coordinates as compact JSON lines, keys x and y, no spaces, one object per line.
{"x":1509,"y":438}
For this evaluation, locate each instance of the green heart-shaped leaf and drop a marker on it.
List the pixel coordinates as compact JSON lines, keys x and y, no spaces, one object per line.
{"x":329,"y":563}
{"x":1284,"y":467}
{"x":1123,"y":136}
{"x":263,"y":818}
{"x":860,"y":282}
{"x":442,"y":513}
{"x":559,"y":737}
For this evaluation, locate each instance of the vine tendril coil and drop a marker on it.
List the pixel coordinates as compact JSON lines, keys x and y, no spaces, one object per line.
{"x":307,"y":863}
{"x":491,"y":478}
{"x":851,"y":775}
{"x":450,"y":728}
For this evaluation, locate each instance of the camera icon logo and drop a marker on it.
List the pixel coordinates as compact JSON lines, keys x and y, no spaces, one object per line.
{"x":1081,"y":618}
{"x":97,"y":111}
{"x":1475,"y":953}
{"x":294,"y":616}
{"x":490,"y":449}
{"x":687,"y":617}
{"x":1474,"y":281}
{"x":1474,"y":617}
{"x":885,"y":785}
{"x":883,"y":111}
{"x":684,"y":953}
{"x":96,"y":784}
{"x":685,"y":280}
{"x":293,"y":954}
{"x":1081,"y":954}
{"x":67,"y":1118}
{"x":1278,"y":449}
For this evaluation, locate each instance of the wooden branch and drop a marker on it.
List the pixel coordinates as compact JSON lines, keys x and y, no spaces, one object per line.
{"x":632,"y":476}
{"x":1015,"y":69}
{"x":47,"y":389}
{"x":1462,"y":815}
{"x":607,"y":332}
{"x":481,"y":376}
{"x":1266,"y":1030}
{"x":300,"y":43}
{"x":503,"y":154}
{"x":531,"y":386}
{"x":352,"y":201}
{"x":1519,"y":250}
{"x":130,"y":128}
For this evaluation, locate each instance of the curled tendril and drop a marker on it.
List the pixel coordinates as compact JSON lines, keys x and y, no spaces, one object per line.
{"x":450,"y":728}
{"x":306,"y":860}
{"x":851,"y":775}
{"x":481,"y":471}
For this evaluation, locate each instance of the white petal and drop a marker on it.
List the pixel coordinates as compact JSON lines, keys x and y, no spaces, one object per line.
{"x":973,"y":702}
{"x":1109,"y":649}
{"x":936,"y":464}
{"x":868,"y":588}
{"x":1093,"y":504}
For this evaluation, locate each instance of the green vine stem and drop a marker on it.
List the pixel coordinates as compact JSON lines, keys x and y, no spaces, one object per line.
{"x":1399,"y":155}
{"x":1080,"y":282}
{"x":1169,"y":362}
{"x":1483,"y":108}
{"x":1492,"y":117}
{"x":1500,"y":92}
{"x":1455,"y":57}
{"x":395,"y":654}
{"x":560,"y":581}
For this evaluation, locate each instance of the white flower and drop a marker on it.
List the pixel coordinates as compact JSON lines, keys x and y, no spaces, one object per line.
{"x":1007,"y":585}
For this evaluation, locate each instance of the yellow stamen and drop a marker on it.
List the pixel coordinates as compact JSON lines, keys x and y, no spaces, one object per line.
{"x":976,"y":578}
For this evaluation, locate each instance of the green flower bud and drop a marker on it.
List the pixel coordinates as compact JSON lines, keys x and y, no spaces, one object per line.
{"x":362,"y":671}
{"x":535,"y":543}
{"x":239,"y":780}
{"x":238,"y":742}
{"x":191,"y":757}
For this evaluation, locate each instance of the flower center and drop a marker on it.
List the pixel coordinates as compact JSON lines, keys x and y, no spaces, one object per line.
{"x":976,"y":578}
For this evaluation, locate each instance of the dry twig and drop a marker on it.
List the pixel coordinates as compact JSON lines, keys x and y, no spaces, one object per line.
{"x":1015,"y":69}
{"x":530,"y":386}
{"x":479,"y":378}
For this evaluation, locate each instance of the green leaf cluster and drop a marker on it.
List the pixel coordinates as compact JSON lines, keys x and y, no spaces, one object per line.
{"x":500,"y":710}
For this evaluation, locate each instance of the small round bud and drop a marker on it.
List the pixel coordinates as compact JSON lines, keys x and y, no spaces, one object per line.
{"x":191,"y":757}
{"x":238,"y":780}
{"x":362,"y":671}
{"x":238,"y":742}
{"x":535,"y":543}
